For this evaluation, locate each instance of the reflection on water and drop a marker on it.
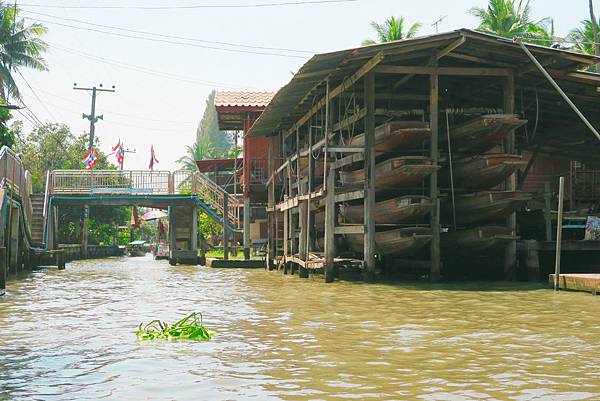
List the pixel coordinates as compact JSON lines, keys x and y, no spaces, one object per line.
{"x":70,"y":335}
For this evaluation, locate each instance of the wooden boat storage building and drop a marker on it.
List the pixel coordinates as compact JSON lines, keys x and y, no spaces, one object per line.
{"x":422,"y":152}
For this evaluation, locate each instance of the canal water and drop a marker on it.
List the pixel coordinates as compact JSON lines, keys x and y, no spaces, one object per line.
{"x":70,"y":335}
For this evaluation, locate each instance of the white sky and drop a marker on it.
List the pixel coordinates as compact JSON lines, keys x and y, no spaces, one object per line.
{"x":149,"y":108}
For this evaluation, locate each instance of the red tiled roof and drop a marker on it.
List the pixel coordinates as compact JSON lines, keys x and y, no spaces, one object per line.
{"x":243,"y":99}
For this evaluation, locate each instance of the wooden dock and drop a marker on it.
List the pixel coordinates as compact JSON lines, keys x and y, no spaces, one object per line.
{"x":235,"y":264}
{"x":578,"y":282}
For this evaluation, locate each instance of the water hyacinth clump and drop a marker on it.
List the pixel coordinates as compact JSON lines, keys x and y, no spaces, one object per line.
{"x":188,"y":328}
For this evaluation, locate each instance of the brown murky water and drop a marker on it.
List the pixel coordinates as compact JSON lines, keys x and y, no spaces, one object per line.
{"x":70,"y":335}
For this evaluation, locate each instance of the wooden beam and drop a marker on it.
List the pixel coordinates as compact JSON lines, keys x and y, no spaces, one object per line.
{"x":433,"y":181}
{"x":330,"y":227}
{"x":345,"y":161}
{"x":369,"y":183}
{"x":450,"y":48}
{"x":350,"y":196}
{"x":510,"y":257}
{"x":458,"y":71}
{"x":350,"y":229}
{"x":347,"y":83}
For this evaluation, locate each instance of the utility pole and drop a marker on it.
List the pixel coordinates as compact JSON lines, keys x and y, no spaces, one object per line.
{"x":93,"y":119}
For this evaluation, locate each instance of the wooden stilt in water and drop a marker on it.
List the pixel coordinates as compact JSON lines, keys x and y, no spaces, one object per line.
{"x":434,"y":273}
{"x":85,"y":231}
{"x":14,"y":241}
{"x":3,"y":270}
{"x":532,"y":261}
{"x":225,"y":227}
{"x":369,"y":184}
{"x":548,"y":210}
{"x":510,"y":258}
{"x":172,"y":236}
{"x":559,"y":224}
{"x":330,"y":227}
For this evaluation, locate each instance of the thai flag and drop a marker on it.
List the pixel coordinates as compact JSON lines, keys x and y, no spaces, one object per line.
{"x":90,"y":158}
{"x":120,"y":153}
{"x":153,"y":158}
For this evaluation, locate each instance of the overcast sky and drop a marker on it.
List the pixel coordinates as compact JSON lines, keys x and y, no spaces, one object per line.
{"x":161,"y":87}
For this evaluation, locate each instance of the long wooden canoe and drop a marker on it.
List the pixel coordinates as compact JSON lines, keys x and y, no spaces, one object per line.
{"x":396,"y":135}
{"x":403,"y":209}
{"x":483,"y":171}
{"x":487,"y":206}
{"x":394,"y":173}
{"x":398,"y":242}
{"x":483,"y":133}
{"x":479,"y":239}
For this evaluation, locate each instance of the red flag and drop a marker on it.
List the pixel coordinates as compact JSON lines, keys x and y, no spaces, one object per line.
{"x":153,"y":158}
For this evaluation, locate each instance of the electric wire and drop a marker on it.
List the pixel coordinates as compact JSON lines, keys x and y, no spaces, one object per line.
{"x":196,"y":6}
{"x":168,"y":36}
{"x":196,"y":45}
{"x":38,"y":98}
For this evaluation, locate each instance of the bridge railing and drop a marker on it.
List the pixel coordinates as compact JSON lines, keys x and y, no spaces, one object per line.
{"x":16,"y":178}
{"x":140,"y":182}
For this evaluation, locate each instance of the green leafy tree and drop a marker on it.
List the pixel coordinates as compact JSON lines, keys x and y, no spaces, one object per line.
{"x":208,"y":129}
{"x":7,"y":135}
{"x":584,"y":39}
{"x":54,"y":147}
{"x":393,"y":29}
{"x":201,"y":150}
{"x":508,"y":18}
{"x":21,"y":46}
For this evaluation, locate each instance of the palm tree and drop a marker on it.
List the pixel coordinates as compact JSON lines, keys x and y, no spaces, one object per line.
{"x":508,"y":18}
{"x":20,"y":46}
{"x":584,"y":39}
{"x":200,"y":150}
{"x":392,"y":29}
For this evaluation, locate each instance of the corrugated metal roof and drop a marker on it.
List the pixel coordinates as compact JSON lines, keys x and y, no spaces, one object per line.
{"x":243,"y":99}
{"x":295,"y":99}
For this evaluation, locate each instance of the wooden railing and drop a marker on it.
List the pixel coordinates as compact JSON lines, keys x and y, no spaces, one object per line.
{"x":139,"y":182}
{"x":18,"y":180}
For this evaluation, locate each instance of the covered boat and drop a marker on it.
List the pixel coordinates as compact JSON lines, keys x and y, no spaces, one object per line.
{"x":136,"y":248}
{"x":398,"y":242}
{"x":487,"y":206}
{"x":479,"y":239}
{"x":482,"y":171}
{"x":395,"y":135}
{"x":483,"y":133}
{"x":406,"y":171}
{"x":402,"y":209}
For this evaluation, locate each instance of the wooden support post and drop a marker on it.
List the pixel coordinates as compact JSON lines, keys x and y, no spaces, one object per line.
{"x":3,"y":270}
{"x":532,"y":261}
{"x":225,"y":227}
{"x":433,"y":183}
{"x":330,"y":227}
{"x":202,"y":260}
{"x":272,"y":215}
{"x":510,"y":257}
{"x":548,"y":210}
{"x":369,"y":184}
{"x":194,"y":238}
{"x":559,"y":224}
{"x":302,"y":213}
{"x":172,"y":236}
{"x":85,"y":231}
{"x":246,"y":226}
{"x":13,"y":260}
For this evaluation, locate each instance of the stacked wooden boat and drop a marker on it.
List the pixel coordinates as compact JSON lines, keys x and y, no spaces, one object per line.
{"x":480,"y":207}
{"x":401,"y":209}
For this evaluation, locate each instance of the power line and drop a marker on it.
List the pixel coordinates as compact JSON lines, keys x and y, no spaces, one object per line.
{"x":165,"y":40}
{"x":26,"y":117}
{"x":198,"y":6}
{"x":169,"y":36}
{"x":145,"y":70}
{"x":38,"y":98}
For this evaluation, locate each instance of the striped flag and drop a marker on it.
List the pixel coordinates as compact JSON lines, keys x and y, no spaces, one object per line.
{"x":153,"y":158}
{"x":90,"y":158}
{"x":119,"y":152}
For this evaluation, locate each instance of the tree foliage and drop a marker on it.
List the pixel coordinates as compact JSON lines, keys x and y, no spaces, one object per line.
{"x":54,"y":147}
{"x":21,"y":46}
{"x":510,"y":19}
{"x":208,"y":130}
{"x":7,"y":135}
{"x":393,"y":29}
{"x":583,"y":36}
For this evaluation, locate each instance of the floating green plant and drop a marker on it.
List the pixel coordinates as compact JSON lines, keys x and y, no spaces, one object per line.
{"x":188,"y":328}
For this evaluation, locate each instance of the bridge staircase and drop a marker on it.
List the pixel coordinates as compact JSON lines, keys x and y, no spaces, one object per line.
{"x":37,"y":218}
